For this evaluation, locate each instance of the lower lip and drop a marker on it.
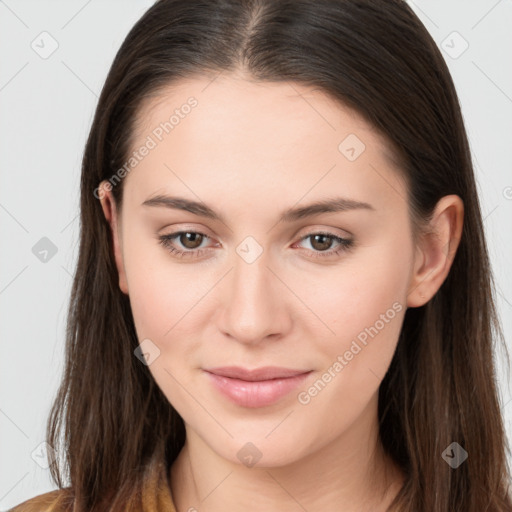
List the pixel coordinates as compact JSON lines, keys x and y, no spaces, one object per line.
{"x":256,"y":393}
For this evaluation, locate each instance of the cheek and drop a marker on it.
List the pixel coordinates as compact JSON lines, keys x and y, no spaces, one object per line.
{"x":364,"y":304}
{"x":353,"y":296}
{"x":162,"y":293}
{"x":151,"y":298}
{"x":163,"y":302}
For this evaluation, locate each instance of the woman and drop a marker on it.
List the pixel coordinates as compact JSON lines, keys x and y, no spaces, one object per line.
{"x":283,"y":298}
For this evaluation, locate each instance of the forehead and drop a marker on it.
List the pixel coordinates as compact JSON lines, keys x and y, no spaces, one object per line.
{"x":242,"y":136}
{"x":230,"y":102}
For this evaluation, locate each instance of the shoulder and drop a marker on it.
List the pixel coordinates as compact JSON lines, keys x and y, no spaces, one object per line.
{"x":53,"y":501}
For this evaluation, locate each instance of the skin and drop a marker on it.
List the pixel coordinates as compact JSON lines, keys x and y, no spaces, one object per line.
{"x":251,"y":150}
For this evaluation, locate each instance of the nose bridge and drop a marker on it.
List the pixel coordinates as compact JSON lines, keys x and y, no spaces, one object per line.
{"x":253,"y":307}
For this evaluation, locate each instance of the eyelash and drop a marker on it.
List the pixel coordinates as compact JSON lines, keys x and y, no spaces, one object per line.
{"x":165,"y":241}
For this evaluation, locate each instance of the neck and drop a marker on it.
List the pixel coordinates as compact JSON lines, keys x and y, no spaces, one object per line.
{"x":350,"y":474}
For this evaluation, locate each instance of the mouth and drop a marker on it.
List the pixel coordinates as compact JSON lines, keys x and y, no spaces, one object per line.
{"x":258,"y":387}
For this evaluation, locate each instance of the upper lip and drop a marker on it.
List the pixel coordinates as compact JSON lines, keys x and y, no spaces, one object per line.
{"x":257,"y":374}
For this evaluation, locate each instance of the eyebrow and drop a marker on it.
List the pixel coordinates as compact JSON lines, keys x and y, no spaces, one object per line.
{"x":337,"y":204}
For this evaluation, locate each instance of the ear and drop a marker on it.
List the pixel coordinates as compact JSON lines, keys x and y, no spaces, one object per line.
{"x":436,"y":250}
{"x":108,"y":205}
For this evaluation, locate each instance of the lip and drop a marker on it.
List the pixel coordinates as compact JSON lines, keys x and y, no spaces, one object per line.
{"x":258,"y":387}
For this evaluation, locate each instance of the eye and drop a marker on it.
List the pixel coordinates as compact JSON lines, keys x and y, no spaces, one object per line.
{"x":323,"y":241}
{"x":192,"y":240}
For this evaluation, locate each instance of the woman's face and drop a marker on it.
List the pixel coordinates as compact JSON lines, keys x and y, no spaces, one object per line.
{"x":263,"y":280}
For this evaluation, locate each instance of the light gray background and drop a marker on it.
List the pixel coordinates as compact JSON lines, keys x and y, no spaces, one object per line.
{"x":46,"y":107}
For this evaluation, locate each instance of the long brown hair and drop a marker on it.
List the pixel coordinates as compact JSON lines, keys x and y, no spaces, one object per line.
{"x":110,"y":419}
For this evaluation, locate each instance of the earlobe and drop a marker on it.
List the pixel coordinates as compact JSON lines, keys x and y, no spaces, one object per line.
{"x":436,"y":250}
{"x":108,"y":206}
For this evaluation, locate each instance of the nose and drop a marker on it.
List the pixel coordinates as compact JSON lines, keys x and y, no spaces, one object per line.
{"x":255,"y":305}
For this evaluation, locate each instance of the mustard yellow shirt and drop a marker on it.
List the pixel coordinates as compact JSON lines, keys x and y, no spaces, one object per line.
{"x":156,"y":497}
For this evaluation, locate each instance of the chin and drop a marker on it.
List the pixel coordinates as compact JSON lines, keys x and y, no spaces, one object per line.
{"x":258,"y":452}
